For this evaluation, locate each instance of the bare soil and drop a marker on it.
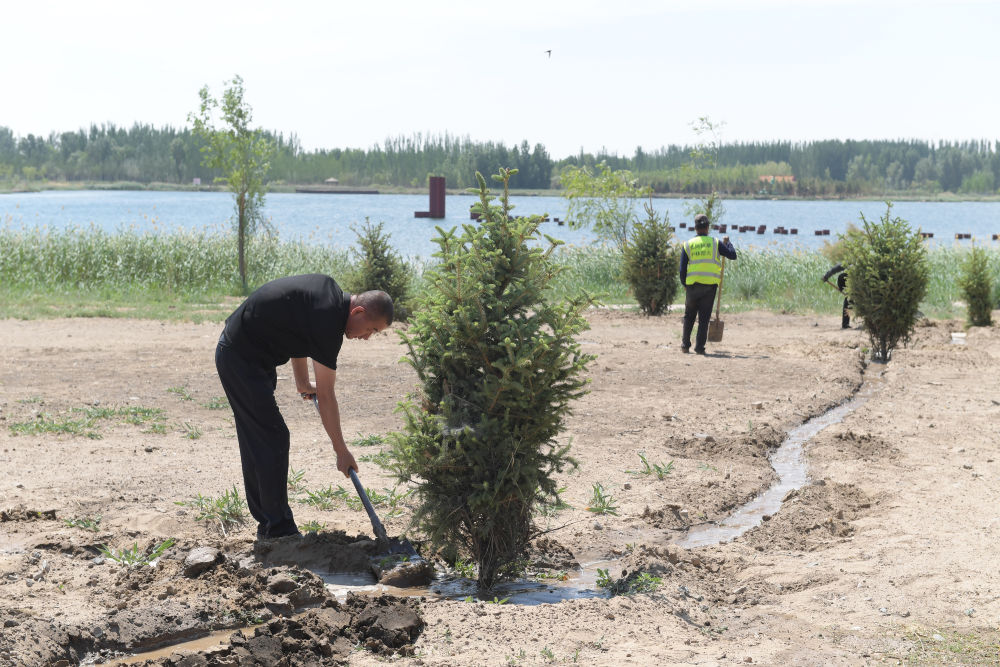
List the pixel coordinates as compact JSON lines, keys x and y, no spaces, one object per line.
{"x":887,"y":554}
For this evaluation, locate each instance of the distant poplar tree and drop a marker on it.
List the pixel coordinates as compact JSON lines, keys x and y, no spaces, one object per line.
{"x":242,"y":154}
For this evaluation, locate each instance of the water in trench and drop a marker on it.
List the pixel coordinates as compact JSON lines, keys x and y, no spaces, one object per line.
{"x":791,"y":468}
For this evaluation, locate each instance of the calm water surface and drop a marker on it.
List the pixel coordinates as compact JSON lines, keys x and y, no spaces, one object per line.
{"x":327,"y":218}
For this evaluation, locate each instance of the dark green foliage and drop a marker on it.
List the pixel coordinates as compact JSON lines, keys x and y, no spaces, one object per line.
{"x":977,"y":287}
{"x":887,"y":273}
{"x":498,"y":366}
{"x":379,"y":267}
{"x":651,"y":263}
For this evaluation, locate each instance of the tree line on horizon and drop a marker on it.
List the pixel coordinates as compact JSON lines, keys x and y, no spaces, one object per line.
{"x":143,"y":154}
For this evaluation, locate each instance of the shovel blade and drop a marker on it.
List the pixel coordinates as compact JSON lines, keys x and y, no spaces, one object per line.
{"x":715,"y":328}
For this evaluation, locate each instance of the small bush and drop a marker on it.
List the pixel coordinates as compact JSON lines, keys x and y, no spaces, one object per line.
{"x":651,"y":264}
{"x":977,"y":288}
{"x":380,"y":267}
{"x":887,"y":279}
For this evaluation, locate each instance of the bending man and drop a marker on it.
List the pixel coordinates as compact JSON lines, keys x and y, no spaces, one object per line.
{"x":295,"y":318}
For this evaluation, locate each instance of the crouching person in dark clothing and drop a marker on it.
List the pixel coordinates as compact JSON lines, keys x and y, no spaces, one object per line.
{"x":701,"y":273}
{"x":297,"y":318}
{"x":839,"y":271}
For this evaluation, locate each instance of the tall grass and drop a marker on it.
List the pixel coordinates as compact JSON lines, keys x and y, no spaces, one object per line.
{"x":192,"y":274}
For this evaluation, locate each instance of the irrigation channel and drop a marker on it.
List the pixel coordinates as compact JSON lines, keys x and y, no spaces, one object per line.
{"x":787,"y":460}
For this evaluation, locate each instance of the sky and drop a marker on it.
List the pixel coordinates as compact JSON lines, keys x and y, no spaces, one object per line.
{"x":570,"y":74}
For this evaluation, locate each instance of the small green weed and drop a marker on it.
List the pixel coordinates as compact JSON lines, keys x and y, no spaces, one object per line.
{"x":601,"y":502}
{"x":296,"y":481}
{"x":604,"y":580}
{"x":190,"y":431}
{"x":216,"y":403}
{"x":660,"y":470}
{"x":181,"y":392}
{"x":381,"y":459}
{"x":86,"y":523}
{"x":135,"y":557}
{"x":464,"y":569}
{"x":31,"y":399}
{"x":642,"y":582}
{"x":312,"y":527}
{"x":368,"y":441}
{"x":548,"y":655}
{"x":227,"y":510}
{"x":550,"y":508}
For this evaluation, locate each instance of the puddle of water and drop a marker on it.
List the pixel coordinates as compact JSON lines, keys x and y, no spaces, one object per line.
{"x":577,"y":585}
{"x":202,"y":643}
{"x":792,"y":473}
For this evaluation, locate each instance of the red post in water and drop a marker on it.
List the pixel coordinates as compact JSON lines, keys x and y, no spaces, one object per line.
{"x":437,"y":199}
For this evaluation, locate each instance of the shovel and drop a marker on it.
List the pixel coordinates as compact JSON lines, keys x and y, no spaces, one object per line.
{"x":716,"y":326}
{"x":395,"y":545}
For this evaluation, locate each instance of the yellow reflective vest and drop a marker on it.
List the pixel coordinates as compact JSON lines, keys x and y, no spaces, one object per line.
{"x":704,"y":262}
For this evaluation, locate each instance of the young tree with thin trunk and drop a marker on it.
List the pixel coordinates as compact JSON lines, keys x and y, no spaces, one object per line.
{"x":242,"y":154}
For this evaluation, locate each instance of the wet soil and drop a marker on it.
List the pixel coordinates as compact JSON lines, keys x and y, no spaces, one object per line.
{"x":890,"y":542}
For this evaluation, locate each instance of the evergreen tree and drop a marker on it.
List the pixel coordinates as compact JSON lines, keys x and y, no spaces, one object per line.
{"x":498,"y":366}
{"x":888,"y":274}
{"x":651,"y":264}
{"x":379,"y":267}
{"x":977,"y":287}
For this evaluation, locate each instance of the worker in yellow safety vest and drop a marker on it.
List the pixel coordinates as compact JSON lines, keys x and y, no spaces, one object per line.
{"x":701,"y":273}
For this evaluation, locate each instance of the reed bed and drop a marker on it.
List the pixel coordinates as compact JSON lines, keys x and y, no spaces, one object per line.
{"x":193,"y":275}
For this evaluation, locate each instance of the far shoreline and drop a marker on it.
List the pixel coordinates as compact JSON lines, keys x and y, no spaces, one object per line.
{"x":290,"y":188}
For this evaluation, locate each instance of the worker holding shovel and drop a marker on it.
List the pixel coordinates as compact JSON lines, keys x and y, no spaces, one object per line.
{"x":701,"y":274}
{"x":297,"y":318}
{"x":839,"y":271}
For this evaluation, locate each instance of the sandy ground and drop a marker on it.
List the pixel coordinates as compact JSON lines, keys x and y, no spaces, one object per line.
{"x":887,"y":554}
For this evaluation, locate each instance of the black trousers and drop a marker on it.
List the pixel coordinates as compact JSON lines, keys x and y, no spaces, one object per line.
{"x":845,"y":318}
{"x":263,"y":438}
{"x":698,"y":302}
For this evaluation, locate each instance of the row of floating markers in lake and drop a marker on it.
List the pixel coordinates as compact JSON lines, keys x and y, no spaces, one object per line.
{"x":760,"y":229}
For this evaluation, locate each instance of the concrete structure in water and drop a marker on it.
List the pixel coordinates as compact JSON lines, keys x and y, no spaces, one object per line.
{"x":437,"y":199}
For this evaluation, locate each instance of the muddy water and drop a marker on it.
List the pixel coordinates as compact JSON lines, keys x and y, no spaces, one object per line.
{"x":791,"y":468}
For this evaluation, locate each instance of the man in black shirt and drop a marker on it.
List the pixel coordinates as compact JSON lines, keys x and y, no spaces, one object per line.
{"x":295,"y":318}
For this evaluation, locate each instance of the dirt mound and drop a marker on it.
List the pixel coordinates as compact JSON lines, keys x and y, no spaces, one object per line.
{"x":811,"y":518}
{"x":863,"y":446}
{"x":547,"y":554}
{"x":21,"y":513}
{"x":326,"y":636}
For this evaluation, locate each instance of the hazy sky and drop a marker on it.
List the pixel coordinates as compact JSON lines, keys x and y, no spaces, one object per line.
{"x":620,"y":74}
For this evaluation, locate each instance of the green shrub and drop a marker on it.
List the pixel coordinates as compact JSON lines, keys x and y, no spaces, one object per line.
{"x":977,"y":288}
{"x":379,"y":267}
{"x":651,"y":264}
{"x":887,"y":273}
{"x":498,"y":365}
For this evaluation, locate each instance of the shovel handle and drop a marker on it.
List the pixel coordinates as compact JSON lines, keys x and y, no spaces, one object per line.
{"x":376,"y":523}
{"x":718,"y":302}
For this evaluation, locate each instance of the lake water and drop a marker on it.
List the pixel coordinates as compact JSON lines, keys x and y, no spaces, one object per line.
{"x":327,"y":218}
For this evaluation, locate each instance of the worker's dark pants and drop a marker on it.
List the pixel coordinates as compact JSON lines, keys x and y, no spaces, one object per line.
{"x":698,"y":302}
{"x":263,"y":439}
{"x":845,"y":318}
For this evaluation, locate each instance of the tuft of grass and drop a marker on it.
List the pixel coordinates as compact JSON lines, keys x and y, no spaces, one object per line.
{"x":191,"y":431}
{"x":550,"y":508}
{"x":637,"y":582}
{"x":381,"y":459}
{"x":296,"y":481}
{"x":659,"y":469}
{"x":135,"y":557}
{"x":181,"y":392}
{"x":86,"y":423}
{"x":372,"y":440}
{"x":216,"y":403}
{"x":312,"y":527}
{"x":227,"y":510}
{"x":86,"y":523}
{"x":601,"y":502}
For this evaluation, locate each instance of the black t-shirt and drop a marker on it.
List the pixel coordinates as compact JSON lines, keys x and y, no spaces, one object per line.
{"x":297,"y":316}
